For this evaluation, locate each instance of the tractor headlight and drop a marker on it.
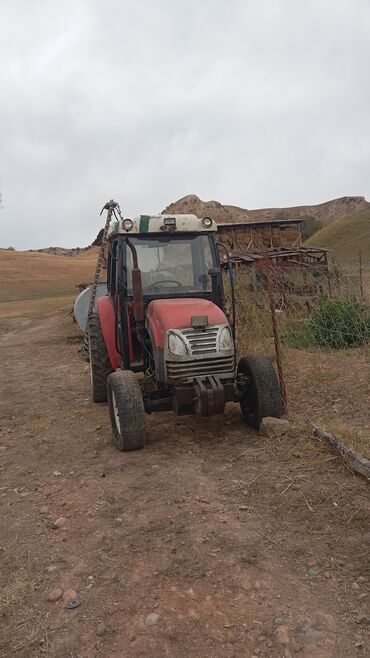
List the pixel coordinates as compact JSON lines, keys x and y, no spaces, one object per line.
{"x":207,"y":222}
{"x":225,"y":340}
{"x":127,"y":224}
{"x":176,"y":345}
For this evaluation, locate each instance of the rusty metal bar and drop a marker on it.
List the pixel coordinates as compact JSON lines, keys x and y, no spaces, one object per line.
{"x":275,"y":331}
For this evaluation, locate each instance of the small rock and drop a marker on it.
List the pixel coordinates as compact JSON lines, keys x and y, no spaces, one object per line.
{"x":44,"y":509}
{"x":57,"y":473}
{"x":152,"y":619}
{"x":243,"y":508}
{"x":279,"y":621}
{"x":306,"y":636}
{"x":69,"y":595}
{"x":363,"y":596}
{"x":55,"y":594}
{"x":273,"y":427}
{"x":361,"y":579}
{"x":313,"y":573}
{"x":74,"y":603}
{"x":100,"y":629}
{"x":282,"y":635}
{"x":327,"y":575}
{"x":355,"y":586}
{"x":59,"y":523}
{"x":51,"y":568}
{"x":364,"y":620}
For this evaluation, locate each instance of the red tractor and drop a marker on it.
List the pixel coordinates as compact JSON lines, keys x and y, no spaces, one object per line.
{"x":164,"y":317}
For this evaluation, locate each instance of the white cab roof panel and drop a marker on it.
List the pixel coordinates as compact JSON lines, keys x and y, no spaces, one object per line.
{"x":163,"y":224}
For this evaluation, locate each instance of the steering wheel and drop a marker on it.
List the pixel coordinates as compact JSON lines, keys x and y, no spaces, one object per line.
{"x":157,"y":284}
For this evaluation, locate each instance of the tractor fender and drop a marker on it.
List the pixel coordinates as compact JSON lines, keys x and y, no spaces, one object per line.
{"x":107,"y":321}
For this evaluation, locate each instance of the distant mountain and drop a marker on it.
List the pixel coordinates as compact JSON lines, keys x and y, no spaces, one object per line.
{"x":224,"y":214}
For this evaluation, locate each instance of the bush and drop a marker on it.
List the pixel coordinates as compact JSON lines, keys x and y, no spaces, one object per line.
{"x":340,"y":323}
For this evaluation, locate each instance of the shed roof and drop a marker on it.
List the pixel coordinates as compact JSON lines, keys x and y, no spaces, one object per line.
{"x":259,"y":222}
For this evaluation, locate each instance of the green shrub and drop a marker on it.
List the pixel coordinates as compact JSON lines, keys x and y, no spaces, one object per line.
{"x":340,"y":323}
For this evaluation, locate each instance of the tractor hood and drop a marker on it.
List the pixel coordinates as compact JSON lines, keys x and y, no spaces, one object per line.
{"x":165,"y":314}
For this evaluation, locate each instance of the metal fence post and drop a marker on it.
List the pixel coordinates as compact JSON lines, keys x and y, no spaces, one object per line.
{"x":275,"y":330}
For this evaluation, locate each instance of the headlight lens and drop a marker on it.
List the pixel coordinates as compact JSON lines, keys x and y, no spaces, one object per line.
{"x":207,"y":222}
{"x":225,"y":339}
{"x":176,"y":345}
{"x":127,"y":224}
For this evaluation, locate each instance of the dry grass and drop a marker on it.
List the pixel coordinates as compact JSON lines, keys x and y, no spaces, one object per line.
{"x":39,"y":307}
{"x":15,"y":594}
{"x":329,"y":386}
{"x":346,"y":237}
{"x":32,"y":275}
{"x":35,"y":284}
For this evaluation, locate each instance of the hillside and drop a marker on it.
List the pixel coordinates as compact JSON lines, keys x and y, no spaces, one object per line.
{"x":33,"y":281}
{"x":346,"y":236}
{"x":323,"y":212}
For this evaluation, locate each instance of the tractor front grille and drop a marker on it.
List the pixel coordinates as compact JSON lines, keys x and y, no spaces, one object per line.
{"x":202,"y":341}
{"x":187,"y":370}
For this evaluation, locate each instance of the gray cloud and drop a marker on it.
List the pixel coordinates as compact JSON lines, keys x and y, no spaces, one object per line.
{"x":251,"y":102}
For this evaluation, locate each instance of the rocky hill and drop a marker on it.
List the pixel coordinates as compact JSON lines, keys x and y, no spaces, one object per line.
{"x":323,"y":212}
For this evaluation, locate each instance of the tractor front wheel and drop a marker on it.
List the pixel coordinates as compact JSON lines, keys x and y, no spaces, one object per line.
{"x":126,"y":409}
{"x":100,"y":365}
{"x":259,"y":389}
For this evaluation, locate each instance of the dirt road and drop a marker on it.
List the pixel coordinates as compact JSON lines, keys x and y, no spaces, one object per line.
{"x":211,"y":542}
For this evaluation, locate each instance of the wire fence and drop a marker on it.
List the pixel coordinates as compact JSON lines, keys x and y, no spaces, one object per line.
{"x":280,"y":309}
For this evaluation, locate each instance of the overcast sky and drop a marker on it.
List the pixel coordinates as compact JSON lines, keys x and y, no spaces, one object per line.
{"x":255,"y":103}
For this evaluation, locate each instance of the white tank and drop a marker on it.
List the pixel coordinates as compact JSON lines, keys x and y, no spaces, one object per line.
{"x":81,"y":304}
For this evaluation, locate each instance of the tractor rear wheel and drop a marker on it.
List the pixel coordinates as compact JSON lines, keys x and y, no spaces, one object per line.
{"x":126,"y":409}
{"x":100,"y":365}
{"x":260,"y":390}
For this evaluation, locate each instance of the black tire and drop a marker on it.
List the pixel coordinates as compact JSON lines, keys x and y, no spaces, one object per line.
{"x":100,"y":365}
{"x":261,"y":395}
{"x":126,"y":409}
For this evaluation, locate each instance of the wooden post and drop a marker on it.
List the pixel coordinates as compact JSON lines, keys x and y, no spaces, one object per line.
{"x":275,"y":331}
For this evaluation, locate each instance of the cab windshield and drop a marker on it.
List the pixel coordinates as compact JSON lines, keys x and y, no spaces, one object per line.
{"x":171,"y":264}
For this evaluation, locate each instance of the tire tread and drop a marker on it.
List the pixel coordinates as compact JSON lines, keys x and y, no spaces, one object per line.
{"x":131,"y":410}
{"x":100,"y":364}
{"x":267,"y":389}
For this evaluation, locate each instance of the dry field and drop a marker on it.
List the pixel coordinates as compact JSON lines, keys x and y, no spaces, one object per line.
{"x":33,"y":283}
{"x":211,"y":542}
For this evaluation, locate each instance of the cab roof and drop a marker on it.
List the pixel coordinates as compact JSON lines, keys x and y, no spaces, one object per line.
{"x":163,"y":224}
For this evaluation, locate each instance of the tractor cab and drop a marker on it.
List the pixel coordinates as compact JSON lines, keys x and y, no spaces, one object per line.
{"x":164,"y":316}
{"x":160,"y":265}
